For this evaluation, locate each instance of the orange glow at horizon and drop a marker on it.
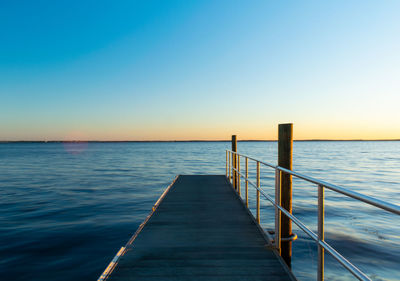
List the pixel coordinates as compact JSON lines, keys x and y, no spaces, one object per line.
{"x":180,"y":133}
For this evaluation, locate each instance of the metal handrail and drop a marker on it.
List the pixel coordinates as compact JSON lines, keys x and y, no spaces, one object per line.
{"x":366,"y":199}
{"x":319,"y":238}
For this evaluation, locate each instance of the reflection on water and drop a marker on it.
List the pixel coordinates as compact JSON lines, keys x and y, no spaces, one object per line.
{"x":64,"y":215}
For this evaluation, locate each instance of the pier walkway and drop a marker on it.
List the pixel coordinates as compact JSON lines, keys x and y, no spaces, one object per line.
{"x":199,"y":230}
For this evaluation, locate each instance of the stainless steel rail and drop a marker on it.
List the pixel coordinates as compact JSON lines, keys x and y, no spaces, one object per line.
{"x":319,"y":238}
{"x":367,"y":199}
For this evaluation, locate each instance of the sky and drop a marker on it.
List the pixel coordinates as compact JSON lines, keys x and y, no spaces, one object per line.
{"x":199,"y":70}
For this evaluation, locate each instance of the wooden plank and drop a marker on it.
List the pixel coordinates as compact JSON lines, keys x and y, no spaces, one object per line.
{"x":200,"y":231}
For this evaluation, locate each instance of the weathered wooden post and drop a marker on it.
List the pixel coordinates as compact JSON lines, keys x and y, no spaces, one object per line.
{"x":234,"y":148}
{"x":285,"y":155}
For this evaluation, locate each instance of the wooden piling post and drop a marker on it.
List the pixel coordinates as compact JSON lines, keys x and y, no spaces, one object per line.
{"x":285,"y":155}
{"x":234,"y":157}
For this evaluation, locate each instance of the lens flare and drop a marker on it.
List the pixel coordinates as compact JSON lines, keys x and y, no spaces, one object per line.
{"x":75,"y":143}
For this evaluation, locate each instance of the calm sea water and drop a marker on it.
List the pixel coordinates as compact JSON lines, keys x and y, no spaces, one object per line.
{"x":66,"y":209}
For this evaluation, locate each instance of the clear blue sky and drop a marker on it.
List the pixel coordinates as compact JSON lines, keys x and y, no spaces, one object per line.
{"x":137,"y":70}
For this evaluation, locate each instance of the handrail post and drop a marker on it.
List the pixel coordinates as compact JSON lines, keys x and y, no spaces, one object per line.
{"x":238,"y":174}
{"x":226,"y":163}
{"x":277,"y":211}
{"x":285,"y":153}
{"x":234,"y":170}
{"x":321,"y":234}
{"x":234,"y":149}
{"x":247,"y":183}
{"x":258,"y":193}
{"x":230,"y":170}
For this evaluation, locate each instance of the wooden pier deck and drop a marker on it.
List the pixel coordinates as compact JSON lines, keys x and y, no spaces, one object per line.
{"x":201,"y":230}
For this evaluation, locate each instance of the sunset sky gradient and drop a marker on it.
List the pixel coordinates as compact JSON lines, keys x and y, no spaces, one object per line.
{"x":184,"y":70}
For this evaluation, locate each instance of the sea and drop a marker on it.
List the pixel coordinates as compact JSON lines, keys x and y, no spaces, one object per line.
{"x":67,"y":208}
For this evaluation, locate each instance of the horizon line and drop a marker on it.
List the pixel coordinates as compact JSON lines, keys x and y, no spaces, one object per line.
{"x":248,"y":140}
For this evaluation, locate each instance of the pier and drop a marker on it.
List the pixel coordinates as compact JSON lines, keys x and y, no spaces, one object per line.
{"x":201,"y":228}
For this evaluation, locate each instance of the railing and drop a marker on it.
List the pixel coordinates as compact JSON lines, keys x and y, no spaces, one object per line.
{"x":233,"y":173}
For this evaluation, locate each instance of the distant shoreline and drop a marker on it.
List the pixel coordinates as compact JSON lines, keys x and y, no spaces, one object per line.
{"x":149,"y":141}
